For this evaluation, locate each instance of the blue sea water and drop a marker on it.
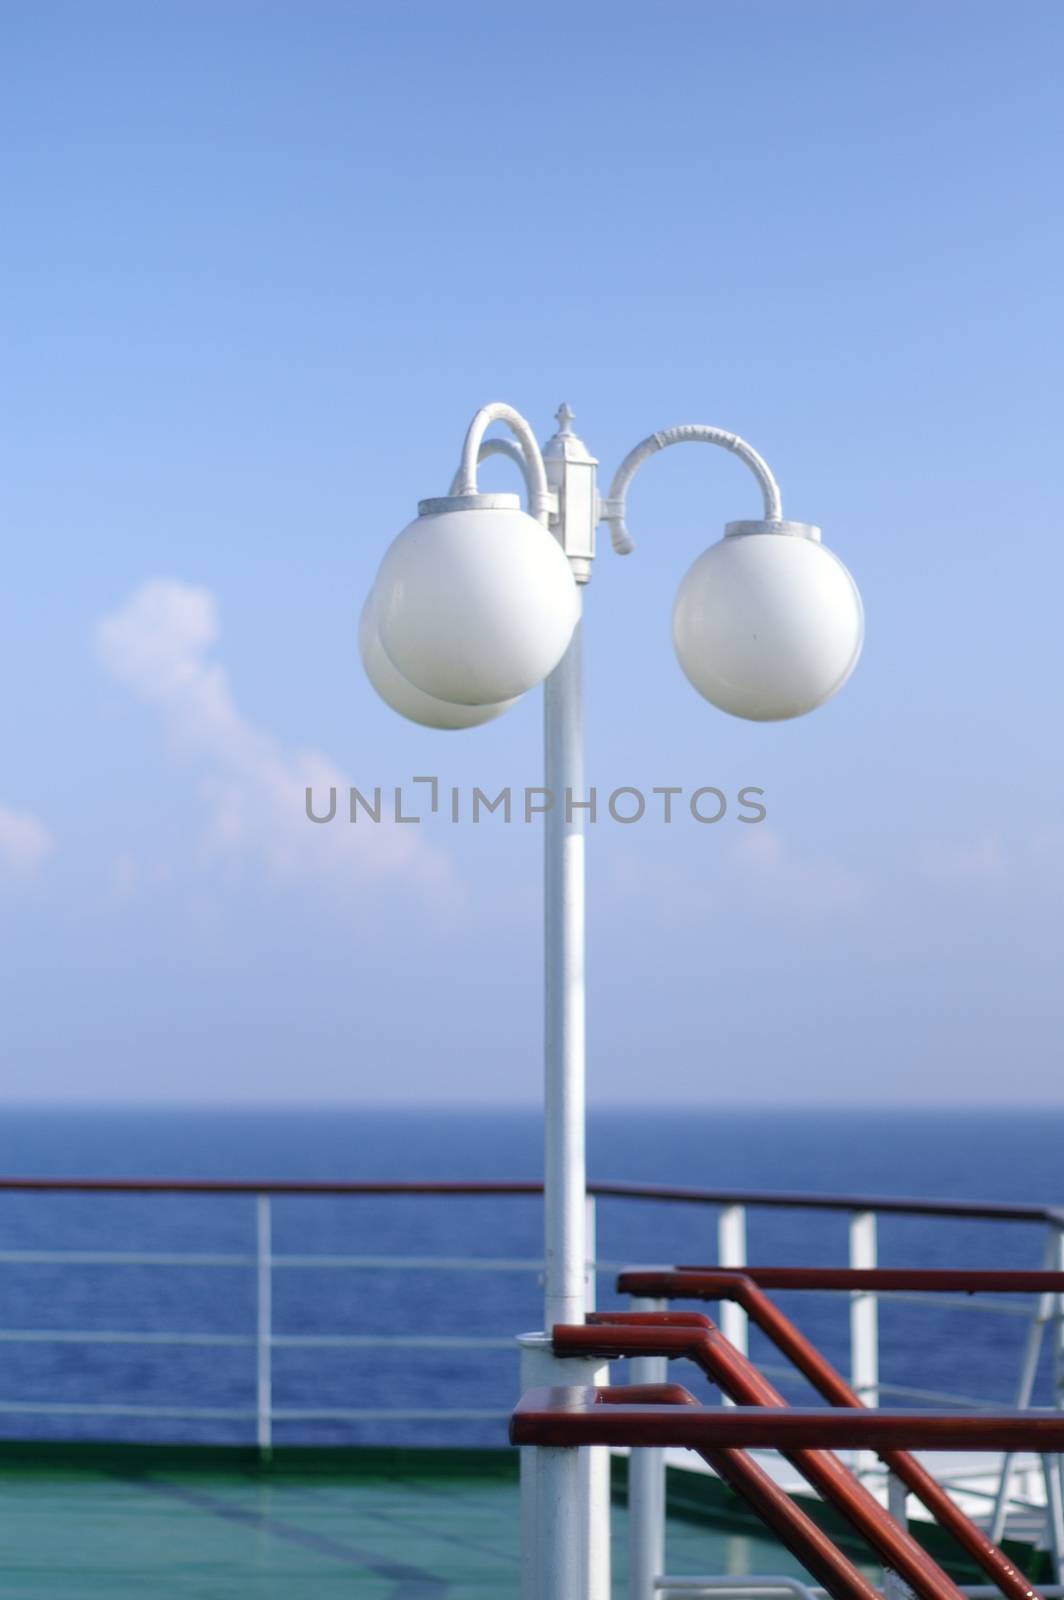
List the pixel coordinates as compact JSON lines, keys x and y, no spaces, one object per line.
{"x":1012,"y":1156}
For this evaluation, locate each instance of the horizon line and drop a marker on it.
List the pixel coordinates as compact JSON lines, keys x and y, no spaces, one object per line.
{"x":458,"y":1107}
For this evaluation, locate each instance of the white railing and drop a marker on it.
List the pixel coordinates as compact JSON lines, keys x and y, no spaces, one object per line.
{"x":732,"y":1209}
{"x":264,"y":1263}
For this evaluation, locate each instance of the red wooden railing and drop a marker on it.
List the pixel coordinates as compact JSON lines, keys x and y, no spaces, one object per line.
{"x":607,"y":1415}
{"x":692,"y":1335}
{"x":767,"y":1199}
{"x":668,"y":1415}
{"x":747,"y":1289}
{"x":800,"y":1436}
{"x":741,"y":1285}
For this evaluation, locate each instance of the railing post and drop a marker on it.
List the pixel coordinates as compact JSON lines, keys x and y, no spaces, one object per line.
{"x":530,"y":1345}
{"x":591,"y":1252}
{"x":1057,"y":1241}
{"x":731,"y":1252}
{"x":646,"y":1484}
{"x":1047,"y":1308}
{"x":598,"y":1457}
{"x":264,"y":1324}
{"x":1055,"y":1513}
{"x":864,"y":1327}
{"x":895,"y":1587}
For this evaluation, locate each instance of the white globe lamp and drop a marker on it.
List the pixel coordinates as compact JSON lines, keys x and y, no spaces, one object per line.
{"x":475,"y":600}
{"x":402,"y":696}
{"x":768,"y":623}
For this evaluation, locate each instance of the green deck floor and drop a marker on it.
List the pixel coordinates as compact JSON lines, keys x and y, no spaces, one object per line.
{"x":393,"y":1527}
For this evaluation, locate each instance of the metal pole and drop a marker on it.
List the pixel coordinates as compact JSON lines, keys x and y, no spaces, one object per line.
{"x":895,"y":1587}
{"x":1046,"y":1308}
{"x":565,"y":1172}
{"x":570,"y":472}
{"x":532,"y":1367}
{"x":264,"y":1324}
{"x":1054,"y":1514}
{"x":560,"y":1524}
{"x":598,"y":1456}
{"x":646,"y":1485}
{"x":731,"y":1252}
{"x":1057,"y":1242}
{"x":591,"y":1245}
{"x":565,"y":1177}
{"x":540,"y":1366}
{"x":864,"y":1328}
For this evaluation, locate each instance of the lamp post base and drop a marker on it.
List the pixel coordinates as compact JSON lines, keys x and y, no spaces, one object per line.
{"x":587,"y":1477}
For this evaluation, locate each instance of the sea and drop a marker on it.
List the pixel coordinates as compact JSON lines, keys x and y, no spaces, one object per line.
{"x":68,"y":1381}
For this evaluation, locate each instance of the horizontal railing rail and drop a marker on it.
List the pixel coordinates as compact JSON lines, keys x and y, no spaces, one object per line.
{"x":670,"y":1415}
{"x":945,"y":1280}
{"x":886,"y":1205}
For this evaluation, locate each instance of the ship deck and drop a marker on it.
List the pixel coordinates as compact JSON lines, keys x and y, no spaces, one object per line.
{"x":87,"y":1522}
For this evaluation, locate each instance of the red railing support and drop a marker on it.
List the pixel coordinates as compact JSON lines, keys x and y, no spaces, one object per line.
{"x":794,"y":1528}
{"x":606,"y":1416}
{"x":746,"y":1287}
{"x":697,"y":1339}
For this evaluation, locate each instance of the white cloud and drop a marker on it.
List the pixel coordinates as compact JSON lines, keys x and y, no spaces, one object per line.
{"x":25,"y":844}
{"x":1047,"y":841}
{"x":950,"y":861}
{"x":753,"y":871}
{"x":158,"y":644}
{"x":760,"y":856}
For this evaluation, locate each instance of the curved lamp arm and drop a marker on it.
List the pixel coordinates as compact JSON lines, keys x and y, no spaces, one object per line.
{"x":466,"y":477}
{"x":499,"y":447}
{"x":613,"y":508}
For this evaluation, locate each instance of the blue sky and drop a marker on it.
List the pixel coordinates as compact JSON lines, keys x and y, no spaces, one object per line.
{"x":261,"y":264}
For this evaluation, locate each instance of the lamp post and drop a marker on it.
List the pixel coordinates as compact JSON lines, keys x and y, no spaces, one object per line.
{"x":477,"y":601}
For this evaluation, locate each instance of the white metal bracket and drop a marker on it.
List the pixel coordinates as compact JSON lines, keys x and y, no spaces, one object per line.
{"x":613,"y":507}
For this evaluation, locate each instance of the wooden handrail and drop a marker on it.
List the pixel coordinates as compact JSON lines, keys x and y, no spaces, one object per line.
{"x":939,"y":1280}
{"x":694,"y":1336}
{"x":895,"y":1205}
{"x":746,"y":1287}
{"x":578,"y":1416}
{"x":668,"y":1415}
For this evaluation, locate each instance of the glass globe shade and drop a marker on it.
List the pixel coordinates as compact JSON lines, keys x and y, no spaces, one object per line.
{"x":475,"y":600}
{"x":411,"y":702}
{"x":768,"y":624}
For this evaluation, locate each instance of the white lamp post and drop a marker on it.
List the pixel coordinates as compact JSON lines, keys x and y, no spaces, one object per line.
{"x":474,"y":603}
